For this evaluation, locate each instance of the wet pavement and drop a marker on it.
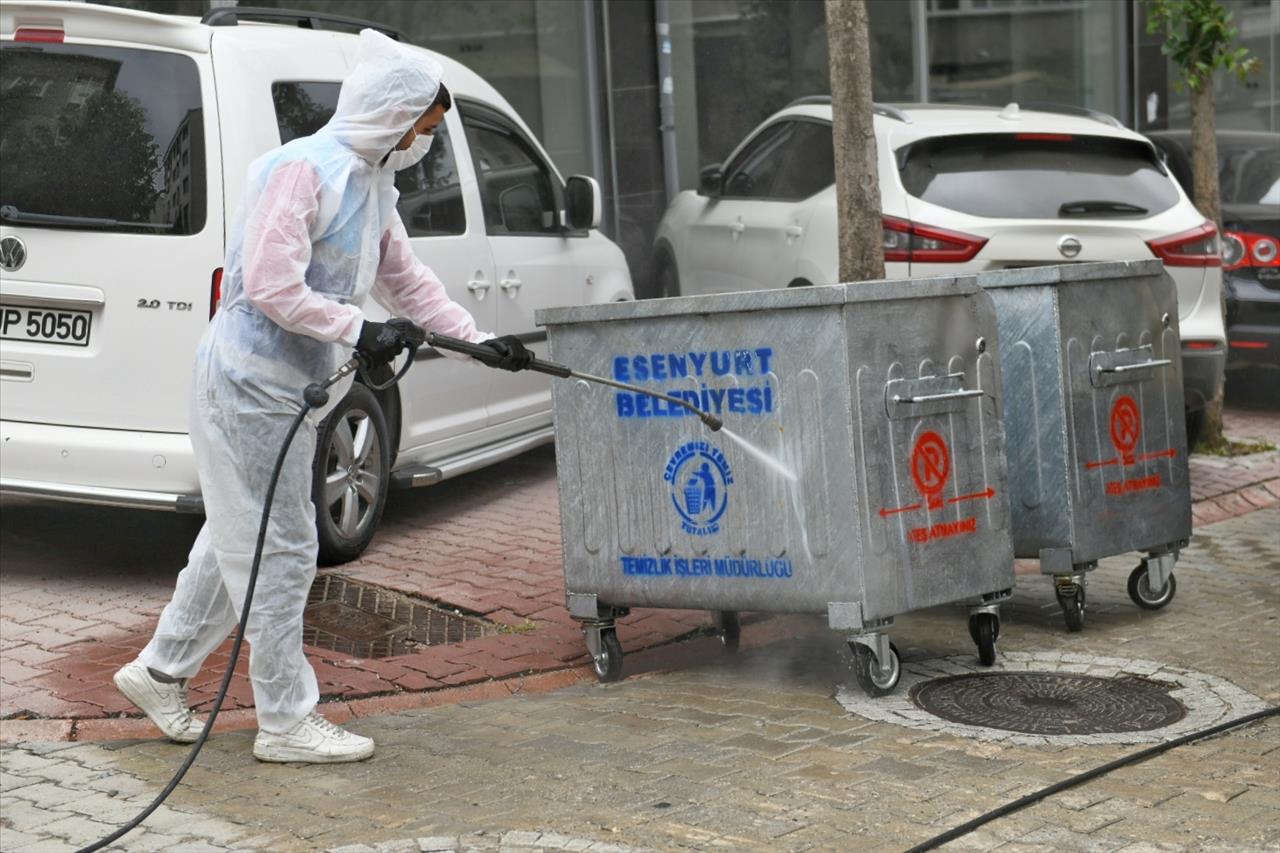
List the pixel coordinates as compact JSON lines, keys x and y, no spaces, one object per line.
{"x":486,"y":545}
{"x":748,"y":752}
{"x":504,"y":741}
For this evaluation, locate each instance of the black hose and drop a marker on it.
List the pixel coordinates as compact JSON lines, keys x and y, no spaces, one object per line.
{"x":235,"y":647}
{"x":1080,"y":778}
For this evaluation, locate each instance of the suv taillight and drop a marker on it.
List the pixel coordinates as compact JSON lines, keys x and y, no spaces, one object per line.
{"x":923,"y":244}
{"x":1195,"y":248}
{"x":215,"y":292}
{"x":1246,"y":249}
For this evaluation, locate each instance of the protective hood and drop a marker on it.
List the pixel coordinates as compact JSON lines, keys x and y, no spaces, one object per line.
{"x":390,"y":87}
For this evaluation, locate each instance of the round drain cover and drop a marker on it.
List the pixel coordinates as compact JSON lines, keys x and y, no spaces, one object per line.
{"x":1050,"y":703}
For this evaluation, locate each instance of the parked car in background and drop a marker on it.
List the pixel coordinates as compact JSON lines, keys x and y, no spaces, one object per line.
{"x":120,"y":164}
{"x":962,"y":189}
{"x":1249,"y":183}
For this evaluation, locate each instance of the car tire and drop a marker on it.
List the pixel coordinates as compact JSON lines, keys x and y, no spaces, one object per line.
{"x":666,"y":278}
{"x":350,"y":476}
{"x":1195,"y":425}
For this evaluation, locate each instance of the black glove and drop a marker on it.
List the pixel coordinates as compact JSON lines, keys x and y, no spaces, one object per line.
{"x":511,"y":353}
{"x":380,"y":343}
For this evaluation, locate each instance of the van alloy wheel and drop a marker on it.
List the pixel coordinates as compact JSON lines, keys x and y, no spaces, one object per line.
{"x":351,"y":474}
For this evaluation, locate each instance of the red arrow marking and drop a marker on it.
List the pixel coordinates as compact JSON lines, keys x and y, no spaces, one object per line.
{"x":1092,"y":465}
{"x":1170,"y":453}
{"x":988,"y":494}
{"x":885,"y":513}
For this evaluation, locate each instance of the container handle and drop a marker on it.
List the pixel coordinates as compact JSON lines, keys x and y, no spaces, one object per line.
{"x":1142,"y":365}
{"x":934,"y":398}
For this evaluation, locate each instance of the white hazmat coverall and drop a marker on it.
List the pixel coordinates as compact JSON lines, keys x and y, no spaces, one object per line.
{"x":317,"y":229}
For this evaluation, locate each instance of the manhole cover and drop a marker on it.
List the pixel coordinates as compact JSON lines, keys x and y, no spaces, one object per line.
{"x":367,"y":621}
{"x":1050,"y":703}
{"x":1069,"y":695}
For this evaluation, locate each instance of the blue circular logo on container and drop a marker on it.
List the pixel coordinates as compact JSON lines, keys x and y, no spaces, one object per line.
{"x":699,"y":477}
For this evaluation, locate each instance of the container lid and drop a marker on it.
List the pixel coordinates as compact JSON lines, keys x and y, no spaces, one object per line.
{"x":763,"y":300}
{"x":1065,"y":273}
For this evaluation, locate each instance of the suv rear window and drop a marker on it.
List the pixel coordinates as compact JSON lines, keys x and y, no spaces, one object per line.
{"x":1037,"y":176}
{"x":108,"y":138}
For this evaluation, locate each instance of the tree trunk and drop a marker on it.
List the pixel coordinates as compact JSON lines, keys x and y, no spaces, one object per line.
{"x":1204,"y":153}
{"x":1204,"y":166}
{"x":861,"y":226}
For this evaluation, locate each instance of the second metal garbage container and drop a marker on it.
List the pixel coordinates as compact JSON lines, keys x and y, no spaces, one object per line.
{"x":860,"y":473}
{"x":1094,"y":422}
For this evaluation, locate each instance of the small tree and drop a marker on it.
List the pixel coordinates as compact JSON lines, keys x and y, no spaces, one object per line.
{"x":1200,"y":41}
{"x":860,"y":222}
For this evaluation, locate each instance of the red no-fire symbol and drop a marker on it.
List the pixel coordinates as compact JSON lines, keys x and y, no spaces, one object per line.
{"x":1126,"y":426}
{"x":930,"y":467}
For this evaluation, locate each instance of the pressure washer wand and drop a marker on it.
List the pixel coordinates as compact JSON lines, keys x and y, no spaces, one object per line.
{"x":486,"y":355}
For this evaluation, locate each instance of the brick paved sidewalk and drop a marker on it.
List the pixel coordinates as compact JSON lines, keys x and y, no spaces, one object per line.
{"x":753,"y":752}
{"x":487,"y":544}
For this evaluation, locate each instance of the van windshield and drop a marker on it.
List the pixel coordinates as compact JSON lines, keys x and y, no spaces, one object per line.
{"x":101,"y":138}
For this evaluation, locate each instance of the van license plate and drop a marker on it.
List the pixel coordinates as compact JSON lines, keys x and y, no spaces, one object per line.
{"x":45,"y":325}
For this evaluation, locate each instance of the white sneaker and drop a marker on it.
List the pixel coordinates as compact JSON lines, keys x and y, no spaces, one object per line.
{"x":165,"y":703}
{"x":314,"y":740}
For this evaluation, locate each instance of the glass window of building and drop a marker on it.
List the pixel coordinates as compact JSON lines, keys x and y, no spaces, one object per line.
{"x":534,"y":52}
{"x":1249,"y":104}
{"x":1000,"y":51}
{"x":734,"y":62}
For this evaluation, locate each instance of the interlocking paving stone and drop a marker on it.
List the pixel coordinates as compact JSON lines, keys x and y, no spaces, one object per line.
{"x":549,"y":765}
{"x":589,"y":765}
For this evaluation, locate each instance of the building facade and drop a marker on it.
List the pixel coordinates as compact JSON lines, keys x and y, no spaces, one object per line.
{"x":641,"y":94}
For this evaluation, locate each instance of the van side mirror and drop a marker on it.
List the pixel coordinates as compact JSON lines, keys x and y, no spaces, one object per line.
{"x":711,"y":180}
{"x":583,"y":205}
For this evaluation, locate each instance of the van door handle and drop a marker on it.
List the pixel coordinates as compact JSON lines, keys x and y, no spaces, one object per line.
{"x":511,"y":286}
{"x":737,"y":228}
{"x":479,"y":288}
{"x":792,"y":232}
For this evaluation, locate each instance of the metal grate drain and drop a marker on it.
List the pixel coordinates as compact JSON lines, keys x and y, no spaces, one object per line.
{"x":367,"y":621}
{"x":1050,"y":703}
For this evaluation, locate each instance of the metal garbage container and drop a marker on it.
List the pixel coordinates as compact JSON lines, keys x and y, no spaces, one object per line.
{"x":860,"y":472}
{"x":1094,"y":422}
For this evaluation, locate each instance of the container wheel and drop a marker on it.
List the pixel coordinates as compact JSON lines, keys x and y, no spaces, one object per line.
{"x":608,"y":664}
{"x":1071,"y":599}
{"x":868,"y":673}
{"x":985,"y":628}
{"x":1143,"y":595}
{"x":730,"y":625}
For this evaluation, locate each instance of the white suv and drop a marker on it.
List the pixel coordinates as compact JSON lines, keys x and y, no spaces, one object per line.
{"x":126,"y":140}
{"x":962,"y":189}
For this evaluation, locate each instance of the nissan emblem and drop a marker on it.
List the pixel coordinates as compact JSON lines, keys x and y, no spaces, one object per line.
{"x":1069,"y":246}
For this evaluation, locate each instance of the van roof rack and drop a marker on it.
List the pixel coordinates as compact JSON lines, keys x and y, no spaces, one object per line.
{"x":1070,"y":110}
{"x":230,"y":16}
{"x":879,"y":109}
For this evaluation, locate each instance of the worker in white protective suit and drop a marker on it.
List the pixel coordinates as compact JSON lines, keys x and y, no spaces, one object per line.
{"x":317,"y":230}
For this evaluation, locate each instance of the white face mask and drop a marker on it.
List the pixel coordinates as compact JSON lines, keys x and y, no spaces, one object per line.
{"x":398,"y":160}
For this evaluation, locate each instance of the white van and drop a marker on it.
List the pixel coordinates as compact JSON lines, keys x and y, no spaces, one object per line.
{"x":125,"y":143}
